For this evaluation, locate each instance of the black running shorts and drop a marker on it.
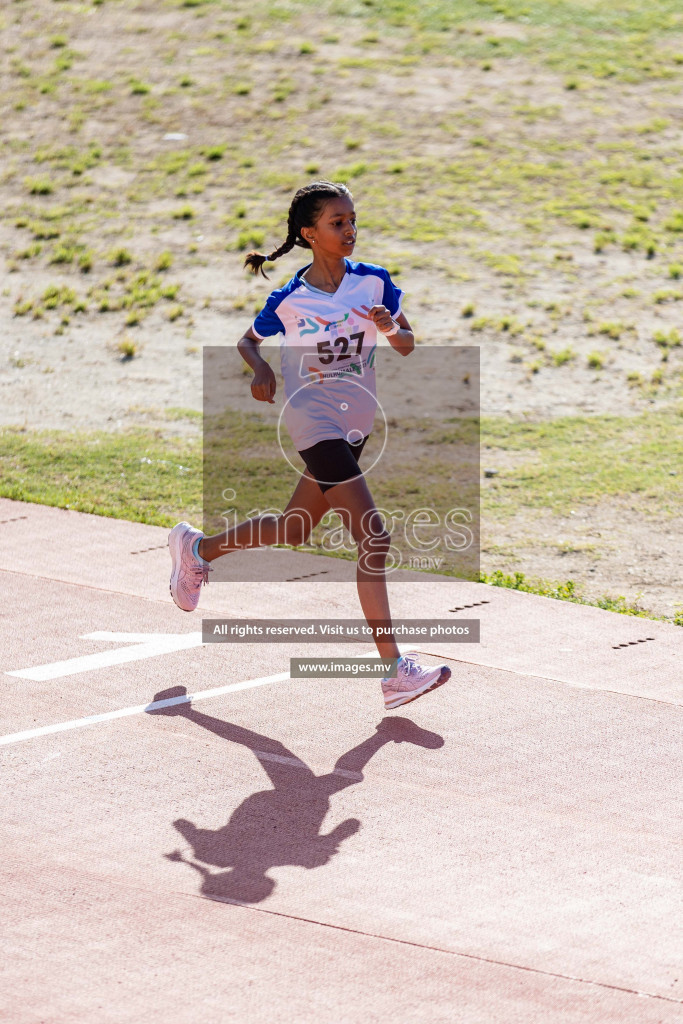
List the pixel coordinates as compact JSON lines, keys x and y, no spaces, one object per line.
{"x":333,"y":461}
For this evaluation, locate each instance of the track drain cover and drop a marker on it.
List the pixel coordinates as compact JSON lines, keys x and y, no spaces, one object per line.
{"x":291,"y":579}
{"x":475,"y":604}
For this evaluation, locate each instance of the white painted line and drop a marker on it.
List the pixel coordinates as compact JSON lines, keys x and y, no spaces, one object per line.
{"x":295,"y":762}
{"x":138,"y":709}
{"x":152,"y":646}
{"x":142,"y":645}
{"x":356,"y":776}
{"x":131,"y":638}
{"x":107,"y":716}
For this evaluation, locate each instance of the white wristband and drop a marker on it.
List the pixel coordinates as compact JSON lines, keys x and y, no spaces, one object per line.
{"x":396,"y":328}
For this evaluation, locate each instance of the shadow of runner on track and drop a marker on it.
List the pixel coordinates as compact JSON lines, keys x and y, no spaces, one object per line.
{"x":280,"y":825}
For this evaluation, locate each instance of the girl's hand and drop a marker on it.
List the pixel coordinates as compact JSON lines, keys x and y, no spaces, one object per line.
{"x":382,"y":319}
{"x":263,"y":385}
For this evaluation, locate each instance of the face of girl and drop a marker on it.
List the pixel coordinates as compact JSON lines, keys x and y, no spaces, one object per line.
{"x":334,"y":233}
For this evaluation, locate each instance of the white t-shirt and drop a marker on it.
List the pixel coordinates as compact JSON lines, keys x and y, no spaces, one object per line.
{"x":327,"y":352}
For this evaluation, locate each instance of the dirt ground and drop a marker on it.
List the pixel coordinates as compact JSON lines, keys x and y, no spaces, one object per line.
{"x":71,"y":376}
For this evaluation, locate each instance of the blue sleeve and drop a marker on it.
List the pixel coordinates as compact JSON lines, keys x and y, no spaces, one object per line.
{"x":268,"y":323}
{"x":392,"y":295}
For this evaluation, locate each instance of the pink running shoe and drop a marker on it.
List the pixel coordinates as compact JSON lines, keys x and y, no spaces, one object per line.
{"x":411,"y":681}
{"x":188,"y":572}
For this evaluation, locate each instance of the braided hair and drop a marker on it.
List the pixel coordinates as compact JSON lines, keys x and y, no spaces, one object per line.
{"x":306,"y":207}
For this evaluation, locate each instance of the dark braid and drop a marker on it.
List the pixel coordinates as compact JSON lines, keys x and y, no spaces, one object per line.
{"x":307,"y":205}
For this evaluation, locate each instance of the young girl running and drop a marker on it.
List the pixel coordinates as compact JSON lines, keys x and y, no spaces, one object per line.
{"x":329,"y":315}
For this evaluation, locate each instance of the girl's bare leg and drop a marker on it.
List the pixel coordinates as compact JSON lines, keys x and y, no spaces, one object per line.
{"x":354,"y":503}
{"x":305,"y":509}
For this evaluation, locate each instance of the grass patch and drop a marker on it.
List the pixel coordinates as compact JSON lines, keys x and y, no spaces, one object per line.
{"x":595,"y":360}
{"x":135,"y":476}
{"x":146,"y":477}
{"x":120,"y":258}
{"x":184,"y":213}
{"x":667,"y":339}
{"x":565,"y":355}
{"x":567,"y":591}
{"x":163,"y":261}
{"x":572,"y":461}
{"x":558,"y":464}
{"x":39,"y":186}
{"x":127,"y":347}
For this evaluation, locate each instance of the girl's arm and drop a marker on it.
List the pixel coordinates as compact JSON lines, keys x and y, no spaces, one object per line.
{"x":263,"y":385}
{"x":403,"y":339}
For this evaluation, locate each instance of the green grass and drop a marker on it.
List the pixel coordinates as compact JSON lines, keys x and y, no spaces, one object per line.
{"x":147,"y":477}
{"x":567,"y":462}
{"x":558,"y":464}
{"x":567,"y":591}
{"x":135,"y":476}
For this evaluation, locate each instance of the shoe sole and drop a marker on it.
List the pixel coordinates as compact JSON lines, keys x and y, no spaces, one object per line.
{"x":400,"y":701}
{"x":175,"y":548}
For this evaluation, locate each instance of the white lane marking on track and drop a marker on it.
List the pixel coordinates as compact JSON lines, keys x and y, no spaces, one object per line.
{"x":296,"y":762}
{"x":138,"y":709}
{"x":79,"y":723}
{"x":149,"y":645}
{"x":131,"y":638}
